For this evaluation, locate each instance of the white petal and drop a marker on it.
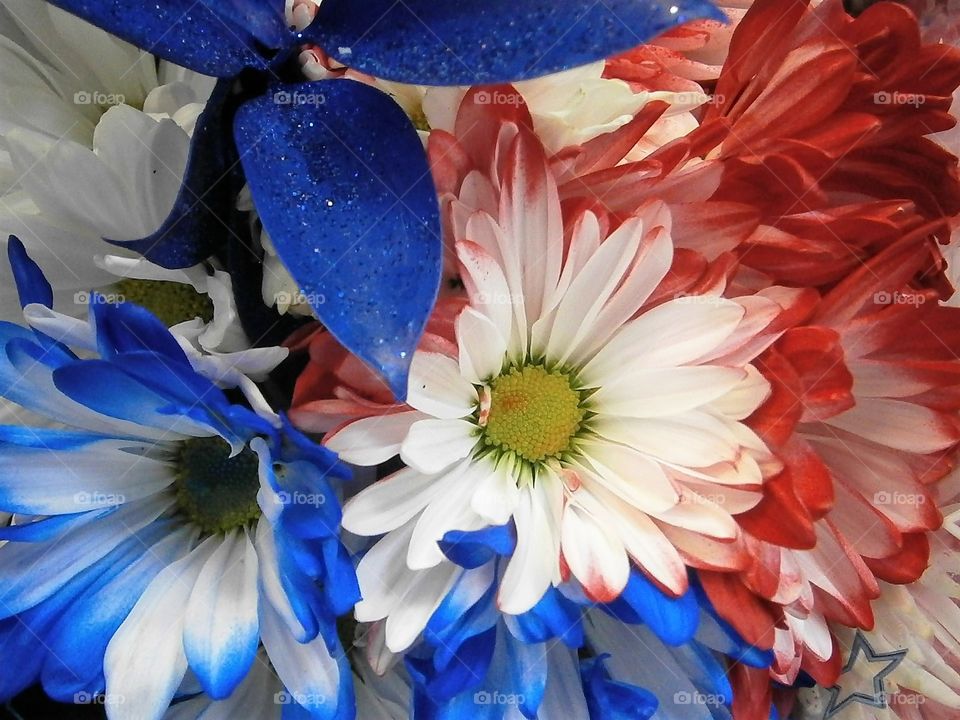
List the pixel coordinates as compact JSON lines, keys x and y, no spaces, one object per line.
{"x":632,"y":476}
{"x":381,"y":572}
{"x":700,"y":514}
{"x":671,"y":334}
{"x":308,"y":671}
{"x":693,"y":439}
{"x":389,"y":503}
{"x":433,"y":445}
{"x":221,"y":632}
{"x":482,"y":347}
{"x":419,"y":597}
{"x":658,"y":392}
{"x":594,"y":554}
{"x":496,"y":495}
{"x":535,"y":562}
{"x":150,"y":679}
{"x":449,"y":510}
{"x":437,"y":388}
{"x":372,"y":440}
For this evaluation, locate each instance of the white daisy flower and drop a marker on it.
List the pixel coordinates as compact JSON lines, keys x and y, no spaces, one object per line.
{"x":586,"y":403}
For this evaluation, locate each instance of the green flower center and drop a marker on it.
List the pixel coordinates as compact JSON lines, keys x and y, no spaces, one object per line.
{"x":215,"y":491}
{"x":172,"y":302}
{"x":534,"y":413}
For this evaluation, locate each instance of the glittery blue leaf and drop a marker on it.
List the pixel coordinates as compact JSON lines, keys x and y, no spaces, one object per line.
{"x":341,"y":183}
{"x":193,"y":33}
{"x":198,"y":220}
{"x":469,"y":42}
{"x":263,"y":19}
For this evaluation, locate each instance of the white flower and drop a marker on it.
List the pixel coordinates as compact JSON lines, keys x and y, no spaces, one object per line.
{"x":599,"y":416}
{"x":95,"y":135}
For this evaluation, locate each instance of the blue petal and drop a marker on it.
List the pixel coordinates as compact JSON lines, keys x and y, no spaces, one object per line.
{"x":341,"y":182}
{"x":613,"y":700}
{"x":197,"y":222}
{"x":79,"y":640}
{"x":46,"y":529}
{"x":473,"y":548}
{"x":553,"y":616}
{"x":674,"y":620}
{"x":472,"y":42}
{"x":128,"y":327}
{"x":530,"y":672}
{"x":32,"y":286}
{"x":104,"y":388}
{"x":466,"y":672}
{"x":340,"y":586}
{"x":186,"y":32}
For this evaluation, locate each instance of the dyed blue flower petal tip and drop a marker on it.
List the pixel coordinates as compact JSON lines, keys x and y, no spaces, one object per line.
{"x":489,"y":41}
{"x":197,"y":35}
{"x":32,"y":286}
{"x":341,"y":182}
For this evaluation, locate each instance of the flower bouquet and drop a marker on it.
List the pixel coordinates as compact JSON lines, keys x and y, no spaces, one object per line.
{"x":542,"y":359}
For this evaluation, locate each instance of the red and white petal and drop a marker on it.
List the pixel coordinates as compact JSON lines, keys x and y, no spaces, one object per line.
{"x":594,"y":554}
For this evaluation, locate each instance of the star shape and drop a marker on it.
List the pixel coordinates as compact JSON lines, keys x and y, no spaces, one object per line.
{"x":878,"y":698}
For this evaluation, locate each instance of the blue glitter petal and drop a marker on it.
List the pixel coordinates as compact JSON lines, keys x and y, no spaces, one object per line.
{"x":488,"y":41}
{"x":263,"y":19}
{"x":186,"y":32}
{"x":341,"y":182}
{"x":197,"y":222}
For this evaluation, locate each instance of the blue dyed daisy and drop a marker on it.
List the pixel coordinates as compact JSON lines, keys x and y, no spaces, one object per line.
{"x":643,"y":654}
{"x":158,"y":531}
{"x":338,"y":175}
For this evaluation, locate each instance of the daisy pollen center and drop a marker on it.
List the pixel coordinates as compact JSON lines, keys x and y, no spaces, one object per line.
{"x":534,"y":413}
{"x":172,"y":302}
{"x":215,"y":491}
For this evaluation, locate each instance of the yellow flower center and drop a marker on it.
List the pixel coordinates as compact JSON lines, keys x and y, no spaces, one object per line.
{"x":172,"y":302}
{"x":533,"y":413}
